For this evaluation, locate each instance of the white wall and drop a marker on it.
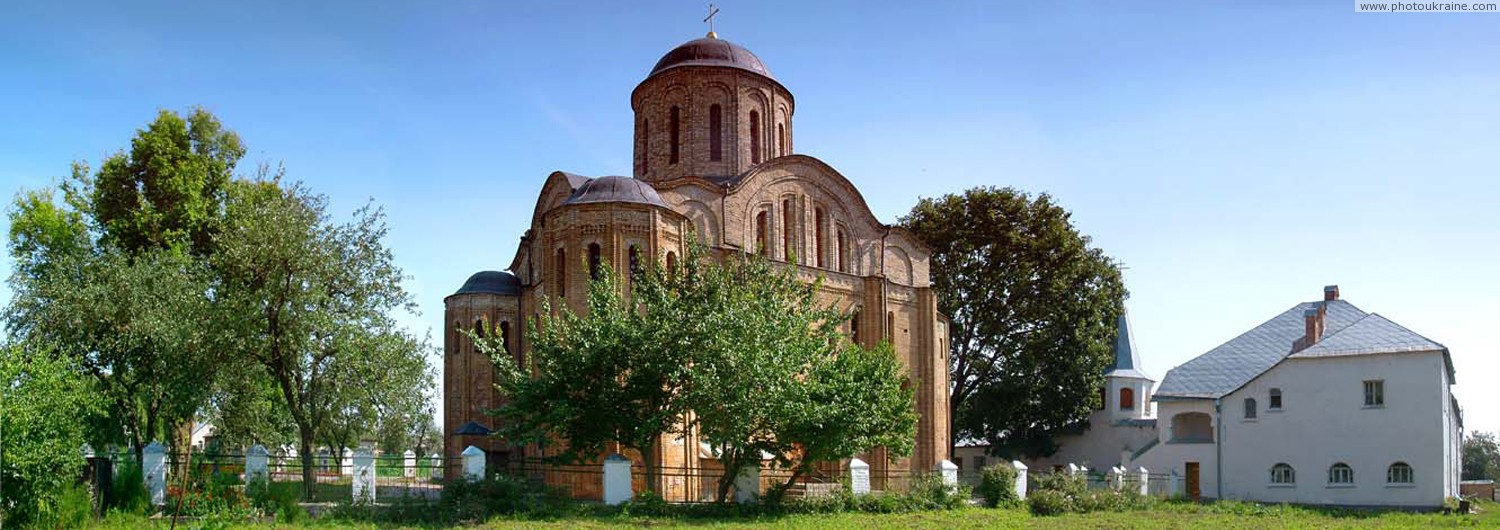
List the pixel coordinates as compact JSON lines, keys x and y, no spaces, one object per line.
{"x":1324,"y":421}
{"x":1100,"y":447}
{"x":1168,"y":456}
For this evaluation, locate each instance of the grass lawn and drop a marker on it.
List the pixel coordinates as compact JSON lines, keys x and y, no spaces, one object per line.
{"x":1222,"y":516}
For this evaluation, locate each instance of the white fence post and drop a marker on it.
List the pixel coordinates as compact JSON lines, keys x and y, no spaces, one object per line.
{"x":154,"y":467}
{"x":473,"y":463}
{"x":363,"y":466}
{"x":437,"y":465}
{"x":1145,"y":476}
{"x":1176,"y":485}
{"x":949,"y":470}
{"x":747,"y":483}
{"x":346,"y":464}
{"x":1020,"y":478}
{"x":1073,"y":469}
{"x":859,"y":476}
{"x":617,"y":487}
{"x":255,"y":464}
{"x":409,"y":463}
{"x":1117,"y":478}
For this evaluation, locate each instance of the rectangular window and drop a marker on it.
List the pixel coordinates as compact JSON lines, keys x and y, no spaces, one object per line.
{"x":979,"y":462}
{"x":1375,"y":393}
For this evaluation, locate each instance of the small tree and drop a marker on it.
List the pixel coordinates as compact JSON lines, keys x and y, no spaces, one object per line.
{"x":43,"y":405}
{"x":1481,"y":457}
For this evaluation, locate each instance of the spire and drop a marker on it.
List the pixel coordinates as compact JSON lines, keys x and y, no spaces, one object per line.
{"x":1127,"y":358}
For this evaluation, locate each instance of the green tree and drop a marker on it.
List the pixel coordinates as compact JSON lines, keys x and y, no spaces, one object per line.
{"x":1032,"y":306}
{"x":309,"y":301}
{"x":1481,"y":457}
{"x":169,"y":189}
{"x":738,"y":351}
{"x":44,"y":405}
{"x":599,"y":378}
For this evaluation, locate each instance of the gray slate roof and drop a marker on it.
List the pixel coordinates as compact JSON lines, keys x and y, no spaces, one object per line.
{"x":1234,"y":363}
{"x":1371,"y":334}
{"x":1127,"y":357}
{"x":492,"y":282}
{"x":615,"y":189}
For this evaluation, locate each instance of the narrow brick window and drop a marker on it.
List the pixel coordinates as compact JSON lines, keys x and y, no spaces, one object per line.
{"x":715,"y":133}
{"x":854,"y":327}
{"x":780,"y":140}
{"x":843,"y":250}
{"x":760,"y":233}
{"x":819,"y":220}
{"x":635,"y":262}
{"x":505,"y":337}
{"x":562,"y":272}
{"x":754,"y":138}
{"x":675,"y":123}
{"x":672,"y":264}
{"x":594,"y":261}
{"x":890,"y":326}
{"x":645,"y":145}
{"x":787,"y":253}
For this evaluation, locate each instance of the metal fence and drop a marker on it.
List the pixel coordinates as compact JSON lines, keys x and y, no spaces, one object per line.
{"x":395,"y":476}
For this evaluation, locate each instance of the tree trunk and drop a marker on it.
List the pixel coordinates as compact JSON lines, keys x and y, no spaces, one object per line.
{"x":309,"y":478}
{"x":648,"y":454}
{"x":181,"y":438}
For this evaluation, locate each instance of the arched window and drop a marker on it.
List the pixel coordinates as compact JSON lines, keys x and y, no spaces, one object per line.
{"x":562,"y":272}
{"x":1249,"y":408}
{"x":645,"y":145}
{"x":760,"y":233}
{"x":715,"y":133}
{"x":1340,"y":473}
{"x":674,"y":123}
{"x":754,"y":137}
{"x":1127,"y":398}
{"x":786,"y":231}
{"x":890,"y":326}
{"x":854,"y":327}
{"x":1283,"y":474}
{"x":1275,"y":399}
{"x":594,"y":261}
{"x":1399,"y":473}
{"x":819,"y":219}
{"x":843,"y":250}
{"x":671,"y":263}
{"x":505,"y":337}
{"x":635,"y":262}
{"x":1192,"y":427}
{"x":479,"y":327}
{"x":780,"y":140}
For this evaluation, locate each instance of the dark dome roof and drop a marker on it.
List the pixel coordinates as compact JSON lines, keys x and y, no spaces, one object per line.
{"x":492,"y":282}
{"x":711,"y":51}
{"x":616,"y":189}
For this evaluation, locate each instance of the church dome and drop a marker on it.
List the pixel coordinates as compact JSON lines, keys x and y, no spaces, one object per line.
{"x":616,"y":189}
{"x":492,"y":282}
{"x":711,"y":51}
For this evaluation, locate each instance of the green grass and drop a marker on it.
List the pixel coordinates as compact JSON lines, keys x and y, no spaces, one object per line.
{"x":1221,"y":516}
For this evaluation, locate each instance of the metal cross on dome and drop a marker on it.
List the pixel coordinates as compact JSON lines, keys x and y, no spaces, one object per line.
{"x":710,"y":20}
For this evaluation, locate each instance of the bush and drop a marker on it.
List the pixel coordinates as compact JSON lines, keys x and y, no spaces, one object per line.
{"x":1058,"y":493}
{"x":129,"y":489}
{"x":279,"y":499}
{"x":1044,"y":502}
{"x":997,"y":484}
{"x":73,"y":508}
{"x":467,"y":502}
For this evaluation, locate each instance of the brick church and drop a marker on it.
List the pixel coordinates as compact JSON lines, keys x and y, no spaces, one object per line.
{"x":714,"y":159}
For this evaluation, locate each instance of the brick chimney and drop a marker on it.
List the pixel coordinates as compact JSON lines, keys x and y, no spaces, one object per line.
{"x":1330,"y":293}
{"x":1313,"y":320}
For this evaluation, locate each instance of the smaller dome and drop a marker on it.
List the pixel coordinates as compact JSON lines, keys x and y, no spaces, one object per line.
{"x":711,"y":51}
{"x":492,"y":282}
{"x":616,"y":189}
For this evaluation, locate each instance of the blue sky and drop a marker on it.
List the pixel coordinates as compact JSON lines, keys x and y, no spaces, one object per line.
{"x":1234,"y":156}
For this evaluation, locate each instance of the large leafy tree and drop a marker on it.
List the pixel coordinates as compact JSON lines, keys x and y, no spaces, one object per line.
{"x":737,"y":350}
{"x":309,"y":302}
{"x":44,"y":405}
{"x":1032,"y":306}
{"x":1481,"y":456}
{"x":113,"y":272}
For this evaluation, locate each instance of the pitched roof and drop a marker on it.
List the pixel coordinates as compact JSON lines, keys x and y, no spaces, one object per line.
{"x":1127,"y":358}
{"x":1234,"y":363}
{"x":1371,"y":334}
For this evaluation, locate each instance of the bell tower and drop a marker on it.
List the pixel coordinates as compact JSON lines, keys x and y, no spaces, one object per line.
{"x":709,"y":108}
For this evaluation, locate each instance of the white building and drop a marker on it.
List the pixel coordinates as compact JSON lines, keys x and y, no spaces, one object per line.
{"x":1124,"y":425}
{"x":1322,"y":404}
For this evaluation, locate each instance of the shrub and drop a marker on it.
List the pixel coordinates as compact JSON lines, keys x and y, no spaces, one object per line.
{"x":73,"y":508}
{"x":997,"y":484}
{"x":1044,"y":502}
{"x":1057,"y":493}
{"x":129,"y":489}
{"x":279,"y":499}
{"x":466,"y":501}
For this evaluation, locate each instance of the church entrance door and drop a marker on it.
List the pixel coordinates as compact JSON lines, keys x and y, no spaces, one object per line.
{"x":1193,"y":490}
